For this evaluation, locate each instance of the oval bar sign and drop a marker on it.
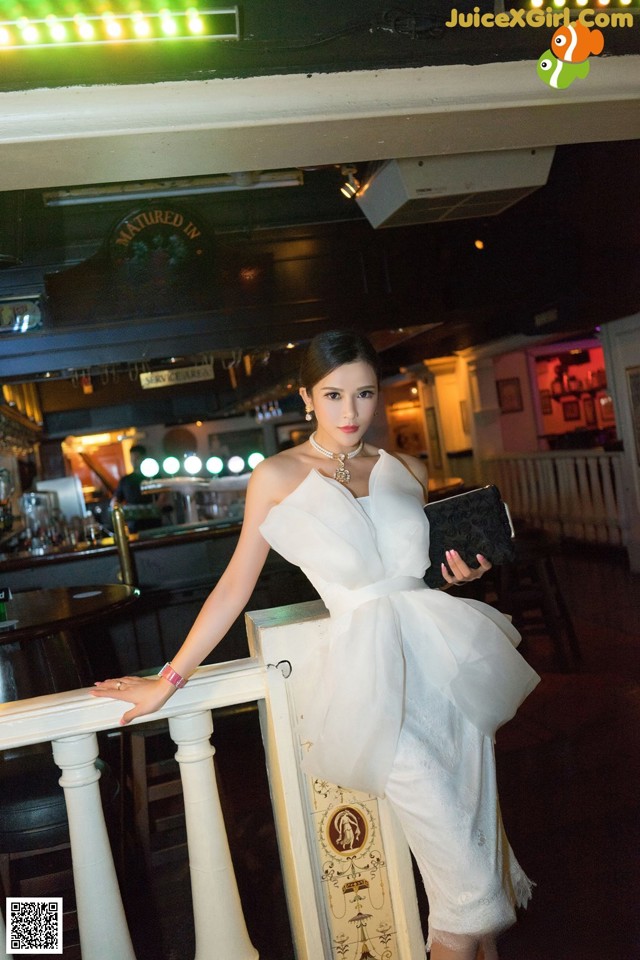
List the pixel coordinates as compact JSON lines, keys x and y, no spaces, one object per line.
{"x":158,"y":229}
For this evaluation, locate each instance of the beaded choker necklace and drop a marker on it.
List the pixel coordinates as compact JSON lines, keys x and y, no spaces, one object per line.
{"x":342,"y":474}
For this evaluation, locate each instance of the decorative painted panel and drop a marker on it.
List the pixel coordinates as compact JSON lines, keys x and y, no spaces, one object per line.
{"x":353,"y":872}
{"x":346,"y":865}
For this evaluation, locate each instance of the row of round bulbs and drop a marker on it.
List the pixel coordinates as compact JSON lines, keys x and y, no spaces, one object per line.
{"x":192,"y":465}
{"x":559,"y":4}
{"x":104,"y":28}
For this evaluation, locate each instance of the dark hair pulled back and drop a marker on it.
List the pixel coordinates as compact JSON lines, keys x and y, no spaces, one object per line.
{"x":330,"y":350}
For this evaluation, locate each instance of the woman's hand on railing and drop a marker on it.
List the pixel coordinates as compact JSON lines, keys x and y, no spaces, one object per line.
{"x":147,"y":694}
{"x":460,"y":572}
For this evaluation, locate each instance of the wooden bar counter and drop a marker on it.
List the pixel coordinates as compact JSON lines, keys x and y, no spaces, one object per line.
{"x":176,"y":569}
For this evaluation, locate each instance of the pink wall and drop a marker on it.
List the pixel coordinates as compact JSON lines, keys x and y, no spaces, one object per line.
{"x":583,"y":402}
{"x":580,"y":402}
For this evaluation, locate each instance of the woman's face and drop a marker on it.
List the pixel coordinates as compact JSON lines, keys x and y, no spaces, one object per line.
{"x":344,"y":403}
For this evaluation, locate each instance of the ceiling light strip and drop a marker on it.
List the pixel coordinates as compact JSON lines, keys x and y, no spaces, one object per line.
{"x":115,"y":28}
{"x":149,"y":190}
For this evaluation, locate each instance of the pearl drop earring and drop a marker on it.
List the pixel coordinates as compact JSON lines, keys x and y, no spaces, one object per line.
{"x":309,"y":414}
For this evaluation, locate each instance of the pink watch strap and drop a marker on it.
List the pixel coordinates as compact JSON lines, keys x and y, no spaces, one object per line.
{"x":172,"y":676}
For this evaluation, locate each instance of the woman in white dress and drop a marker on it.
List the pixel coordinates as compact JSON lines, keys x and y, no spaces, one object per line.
{"x":436,"y":675}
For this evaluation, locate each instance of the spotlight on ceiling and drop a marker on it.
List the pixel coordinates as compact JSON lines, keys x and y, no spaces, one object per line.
{"x":351,"y":185}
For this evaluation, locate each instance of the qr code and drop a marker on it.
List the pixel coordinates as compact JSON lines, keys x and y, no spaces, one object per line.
{"x":34,"y":924}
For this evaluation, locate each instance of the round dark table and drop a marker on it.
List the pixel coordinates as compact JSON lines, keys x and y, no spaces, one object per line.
{"x":46,"y":649}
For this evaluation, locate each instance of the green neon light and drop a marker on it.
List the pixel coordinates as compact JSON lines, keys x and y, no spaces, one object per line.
{"x":30,"y":33}
{"x":168,"y":23}
{"x":112,"y":27}
{"x":57,"y":30}
{"x":82,"y":29}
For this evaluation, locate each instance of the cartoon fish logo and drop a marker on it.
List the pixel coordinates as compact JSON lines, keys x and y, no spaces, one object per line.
{"x":558,"y":74}
{"x":575,"y":43}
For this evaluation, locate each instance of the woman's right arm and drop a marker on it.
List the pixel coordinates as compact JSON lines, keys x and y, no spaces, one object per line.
{"x":221,"y":608}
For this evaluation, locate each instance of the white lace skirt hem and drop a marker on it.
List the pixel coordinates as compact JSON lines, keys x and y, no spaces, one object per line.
{"x":463,"y":941}
{"x":443,"y":790}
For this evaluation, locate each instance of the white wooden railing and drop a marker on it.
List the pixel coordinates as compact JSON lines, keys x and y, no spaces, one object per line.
{"x":569,"y":493}
{"x":372,"y":881}
{"x":71,"y":721}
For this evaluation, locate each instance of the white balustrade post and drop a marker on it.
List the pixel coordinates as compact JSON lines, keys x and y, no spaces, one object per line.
{"x":610,"y":496}
{"x":533,"y":490}
{"x":217,"y":912}
{"x":584,"y":501}
{"x":3,"y":940}
{"x":595,"y":484}
{"x":552,"y":503}
{"x":101,"y":919}
{"x":619,"y":521}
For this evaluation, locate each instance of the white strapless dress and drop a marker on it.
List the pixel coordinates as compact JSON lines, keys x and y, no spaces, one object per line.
{"x":409,"y":689}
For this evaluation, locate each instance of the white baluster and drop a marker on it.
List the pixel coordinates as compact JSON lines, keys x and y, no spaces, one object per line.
{"x":548,"y":496}
{"x":561,"y":487}
{"x":217,"y":912}
{"x":532,"y":489}
{"x":523,"y":493}
{"x":101,"y":919}
{"x":597,"y":500}
{"x":539,"y":478}
{"x":611,"y":506}
{"x":584,"y":502}
{"x":3,"y":940}
{"x":621,"y":523}
{"x":556,"y":498}
{"x":567,"y":493}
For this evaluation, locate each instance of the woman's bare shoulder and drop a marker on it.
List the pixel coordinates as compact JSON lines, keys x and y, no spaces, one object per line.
{"x":278,"y":475}
{"x":417,"y":468}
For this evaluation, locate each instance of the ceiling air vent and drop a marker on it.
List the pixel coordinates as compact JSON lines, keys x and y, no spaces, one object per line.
{"x":456,"y":187}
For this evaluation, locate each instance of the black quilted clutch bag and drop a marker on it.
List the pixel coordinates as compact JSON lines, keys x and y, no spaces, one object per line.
{"x":474,"y":522}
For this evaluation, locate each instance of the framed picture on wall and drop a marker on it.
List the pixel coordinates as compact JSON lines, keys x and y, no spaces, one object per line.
{"x":589,"y":411}
{"x":606,"y":409}
{"x":407,"y":430}
{"x":571,"y":410}
{"x":509,"y":395}
{"x":546,"y":406}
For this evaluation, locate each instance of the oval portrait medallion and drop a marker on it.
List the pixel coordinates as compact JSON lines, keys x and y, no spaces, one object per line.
{"x":347,"y":830}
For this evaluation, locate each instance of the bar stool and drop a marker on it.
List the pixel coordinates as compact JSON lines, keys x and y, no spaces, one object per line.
{"x":153,"y":781}
{"x":528,"y":589}
{"x":152,"y":777}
